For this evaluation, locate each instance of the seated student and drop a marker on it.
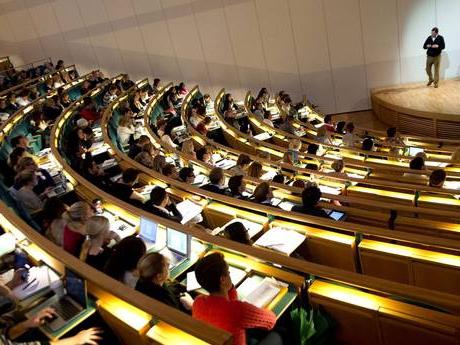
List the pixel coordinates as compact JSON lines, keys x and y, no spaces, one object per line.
{"x":393,"y":138}
{"x":126,"y":83}
{"x":417,"y":163}
{"x":255,"y":170}
{"x":339,"y":128}
{"x":323,"y":135}
{"x":12,"y":328}
{"x":203,"y":125}
{"x":75,"y":219}
{"x":20,"y":141}
{"x":216,"y":181}
{"x":182,"y":90}
{"x":188,"y":148}
{"x":25,"y":196}
{"x":123,"y":188}
{"x":94,"y":250}
{"x":94,"y":173}
{"x":312,"y":149}
{"x":278,"y":178}
{"x":236,"y":187}
{"x":222,"y":308}
{"x":156,"y":86}
{"x":44,"y":179}
{"x":159,"y":204}
{"x":293,"y":150}
{"x":349,"y":139}
{"x":186,"y":175}
{"x":136,"y":146}
{"x":24,"y":98}
{"x":145,"y":157}
{"x":110,"y":95}
{"x":153,"y":276}
{"x":237,"y":232}
{"x":194,"y":118}
{"x":51,"y":109}
{"x":268,"y":118}
{"x":328,"y":124}
{"x":368,"y":144}
{"x":204,"y":154}
{"x":263,"y":194}
{"x":242,"y":165}
{"x":86,"y":87}
{"x":88,"y":112}
{"x":170,"y":170}
{"x":437,"y":178}
{"x":166,"y":140}
{"x":338,"y":167}
{"x":259,"y":111}
{"x":122,"y":264}
{"x":65,"y":100}
{"x":52,"y":219}
{"x":310,"y":198}
{"x":159,"y":161}
{"x":126,"y":130}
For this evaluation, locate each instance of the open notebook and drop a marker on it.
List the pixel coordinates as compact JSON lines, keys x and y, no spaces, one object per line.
{"x":281,"y":240}
{"x":39,"y":278}
{"x":188,"y":210}
{"x":259,"y":291}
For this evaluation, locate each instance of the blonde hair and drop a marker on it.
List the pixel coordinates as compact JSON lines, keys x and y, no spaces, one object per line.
{"x":77,"y":215}
{"x":295,"y":144}
{"x":95,"y":227}
{"x":187,"y":147}
{"x":24,"y":163}
{"x":150,"y":265}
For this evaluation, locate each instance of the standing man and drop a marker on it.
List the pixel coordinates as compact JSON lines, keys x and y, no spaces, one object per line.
{"x":434,"y":45}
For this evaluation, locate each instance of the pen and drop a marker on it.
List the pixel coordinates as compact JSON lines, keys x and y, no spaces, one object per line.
{"x":29,"y":283}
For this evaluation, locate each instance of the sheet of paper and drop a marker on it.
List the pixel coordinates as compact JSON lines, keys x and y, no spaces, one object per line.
{"x":261,"y":292}
{"x":262,"y":136}
{"x":329,"y":190}
{"x":226,"y":164}
{"x":188,"y":210}
{"x":39,"y":278}
{"x":282,"y":240}
{"x":268,"y":176}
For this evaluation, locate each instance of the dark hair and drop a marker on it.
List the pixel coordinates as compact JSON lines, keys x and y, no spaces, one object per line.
{"x":327,"y":118}
{"x":125,"y":256}
{"x":279,"y":178}
{"x":16,"y":154}
{"x":209,"y":271}
{"x":143,"y":139}
{"x":130,"y":175}
{"x":157,"y":195}
{"x":168,"y":169}
{"x":312,"y":149}
{"x":234,"y":183}
{"x":87,"y":100}
{"x":391,"y":132}
{"x":201,"y":152}
{"x":53,"y":208}
{"x":311,"y":196}
{"x":340,"y":126}
{"x":156,"y":81}
{"x":216,"y":175}
{"x":261,"y":192}
{"x":15,"y":141}
{"x":437,"y":177}
{"x":185,"y":172}
{"x":368,"y":143}
{"x":435,"y":29}
{"x":350,"y":127}
{"x":417,"y":163}
{"x":243,"y":159}
{"x":237,"y":232}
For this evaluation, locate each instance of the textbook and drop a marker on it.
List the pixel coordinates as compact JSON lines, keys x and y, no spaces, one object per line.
{"x":188,"y":210}
{"x":281,"y":240}
{"x":259,"y":291}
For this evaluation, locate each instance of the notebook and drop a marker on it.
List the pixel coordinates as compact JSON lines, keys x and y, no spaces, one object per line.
{"x":262,"y":136}
{"x":39,"y":279}
{"x":188,"y":210}
{"x":259,"y":291}
{"x":281,"y":240}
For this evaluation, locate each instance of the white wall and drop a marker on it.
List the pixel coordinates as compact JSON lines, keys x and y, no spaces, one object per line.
{"x":332,"y":50}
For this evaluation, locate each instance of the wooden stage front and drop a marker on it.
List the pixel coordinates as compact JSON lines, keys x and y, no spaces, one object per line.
{"x":420,"y":110}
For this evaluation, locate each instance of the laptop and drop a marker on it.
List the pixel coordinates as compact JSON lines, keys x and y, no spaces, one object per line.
{"x":148,"y":232}
{"x":414,"y":150}
{"x":69,"y":307}
{"x":336,"y":215}
{"x":178,"y":247}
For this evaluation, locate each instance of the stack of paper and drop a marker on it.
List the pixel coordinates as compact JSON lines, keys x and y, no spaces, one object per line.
{"x":262,"y":136}
{"x":282,"y":240}
{"x":188,"y":210}
{"x":39,"y":278}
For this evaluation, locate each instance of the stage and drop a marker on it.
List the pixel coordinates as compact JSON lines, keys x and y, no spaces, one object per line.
{"x":420,"y":110}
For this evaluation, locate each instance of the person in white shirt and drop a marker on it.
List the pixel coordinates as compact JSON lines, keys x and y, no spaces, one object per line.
{"x":125,"y":130}
{"x":23,"y":99}
{"x":349,"y":138}
{"x":110,"y":95}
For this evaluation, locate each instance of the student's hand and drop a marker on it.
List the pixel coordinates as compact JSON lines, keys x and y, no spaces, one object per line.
{"x":428,"y":46}
{"x":88,"y":336}
{"x":434,"y":46}
{"x":18,"y":278}
{"x":40,"y":318}
{"x":187,"y":301}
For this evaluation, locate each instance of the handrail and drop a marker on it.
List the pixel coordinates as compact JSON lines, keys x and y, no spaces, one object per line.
{"x":31,"y":64}
{"x":448,"y":301}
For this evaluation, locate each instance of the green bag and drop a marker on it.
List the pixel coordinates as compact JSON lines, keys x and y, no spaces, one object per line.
{"x":309,"y":327}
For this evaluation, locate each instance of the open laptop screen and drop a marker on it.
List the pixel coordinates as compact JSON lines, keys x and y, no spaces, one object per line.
{"x":148,"y":230}
{"x":76,"y":288}
{"x":177,"y":241}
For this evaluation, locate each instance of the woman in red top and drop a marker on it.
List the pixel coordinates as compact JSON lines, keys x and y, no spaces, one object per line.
{"x":75,"y":228}
{"x":222,"y":308}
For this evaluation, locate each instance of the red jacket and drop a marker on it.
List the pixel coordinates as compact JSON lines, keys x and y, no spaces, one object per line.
{"x":89,"y":114}
{"x":232,"y":315}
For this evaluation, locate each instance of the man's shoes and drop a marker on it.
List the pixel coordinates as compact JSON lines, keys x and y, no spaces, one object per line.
{"x":435,"y":85}
{"x":429,"y":83}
